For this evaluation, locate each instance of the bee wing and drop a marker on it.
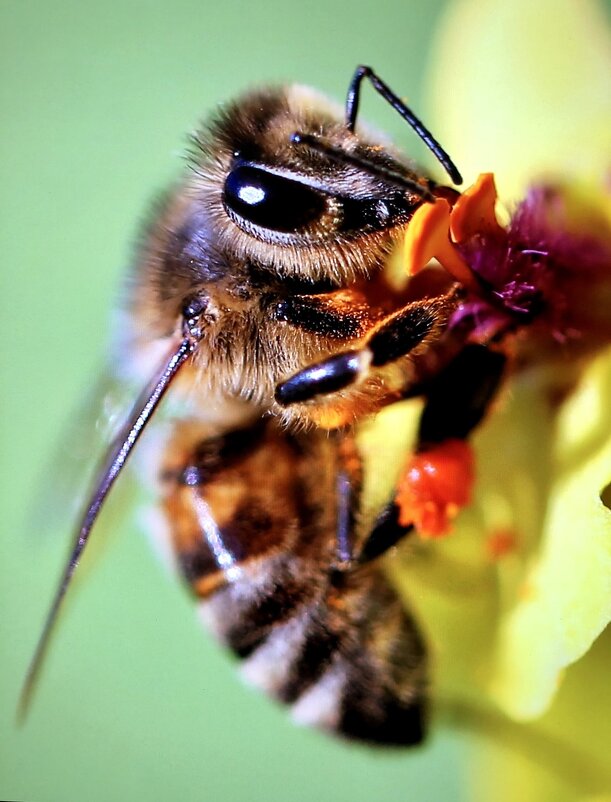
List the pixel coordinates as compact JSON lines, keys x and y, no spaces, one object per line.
{"x":67,"y":473}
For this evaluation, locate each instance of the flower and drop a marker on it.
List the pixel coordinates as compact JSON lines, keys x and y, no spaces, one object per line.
{"x":522,"y":590}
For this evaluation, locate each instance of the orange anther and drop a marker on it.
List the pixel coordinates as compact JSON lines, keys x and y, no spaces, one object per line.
{"x":474,"y":213}
{"x":428,"y":237}
{"x":426,"y":233}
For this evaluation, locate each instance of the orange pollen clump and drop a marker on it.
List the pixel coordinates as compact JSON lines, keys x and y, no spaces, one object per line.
{"x":437,"y":483}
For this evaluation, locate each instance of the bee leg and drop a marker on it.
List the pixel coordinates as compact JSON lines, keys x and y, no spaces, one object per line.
{"x":438,"y":479}
{"x":345,"y":520}
{"x":386,"y":530}
{"x":390,"y":339}
{"x":456,"y":402}
{"x":458,"y":398}
{"x":348,"y":487}
{"x":386,"y":533}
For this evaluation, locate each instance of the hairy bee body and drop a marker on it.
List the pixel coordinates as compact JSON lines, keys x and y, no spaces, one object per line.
{"x":253,"y":518}
{"x":250,"y":489}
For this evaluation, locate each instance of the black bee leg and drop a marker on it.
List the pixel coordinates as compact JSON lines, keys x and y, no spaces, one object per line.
{"x":348,"y":486}
{"x":352,"y":107}
{"x":386,"y":533}
{"x":458,"y":398}
{"x":456,"y":402}
{"x":394,"y":337}
{"x":345,"y":519}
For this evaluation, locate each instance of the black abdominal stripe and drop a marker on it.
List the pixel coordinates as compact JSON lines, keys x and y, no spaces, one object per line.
{"x":358,"y":674}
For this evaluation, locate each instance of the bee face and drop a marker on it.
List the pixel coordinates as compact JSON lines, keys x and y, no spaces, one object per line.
{"x":283,"y":195}
{"x":258,"y":219}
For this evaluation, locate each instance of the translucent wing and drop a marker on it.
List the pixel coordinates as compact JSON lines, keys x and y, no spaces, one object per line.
{"x":66,"y":474}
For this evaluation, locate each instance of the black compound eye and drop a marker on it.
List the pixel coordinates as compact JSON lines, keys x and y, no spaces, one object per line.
{"x":271,"y":201}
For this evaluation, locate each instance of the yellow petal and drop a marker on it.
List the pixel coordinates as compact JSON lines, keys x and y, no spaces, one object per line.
{"x":523,"y":89}
{"x":565,"y":598}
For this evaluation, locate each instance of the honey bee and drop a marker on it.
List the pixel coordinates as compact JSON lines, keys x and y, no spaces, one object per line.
{"x":261,"y":296}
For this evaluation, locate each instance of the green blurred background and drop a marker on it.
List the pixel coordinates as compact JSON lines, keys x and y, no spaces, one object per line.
{"x":135,"y":701}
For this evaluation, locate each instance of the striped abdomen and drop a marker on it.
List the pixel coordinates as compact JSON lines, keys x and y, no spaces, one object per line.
{"x":254,"y":519}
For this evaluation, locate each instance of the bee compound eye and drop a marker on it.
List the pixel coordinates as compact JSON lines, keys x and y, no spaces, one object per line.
{"x":271,"y":201}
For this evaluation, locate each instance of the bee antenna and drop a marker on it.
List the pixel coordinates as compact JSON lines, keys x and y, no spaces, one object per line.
{"x":352,"y":107}
{"x":379,"y":171}
{"x":111,"y":467}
